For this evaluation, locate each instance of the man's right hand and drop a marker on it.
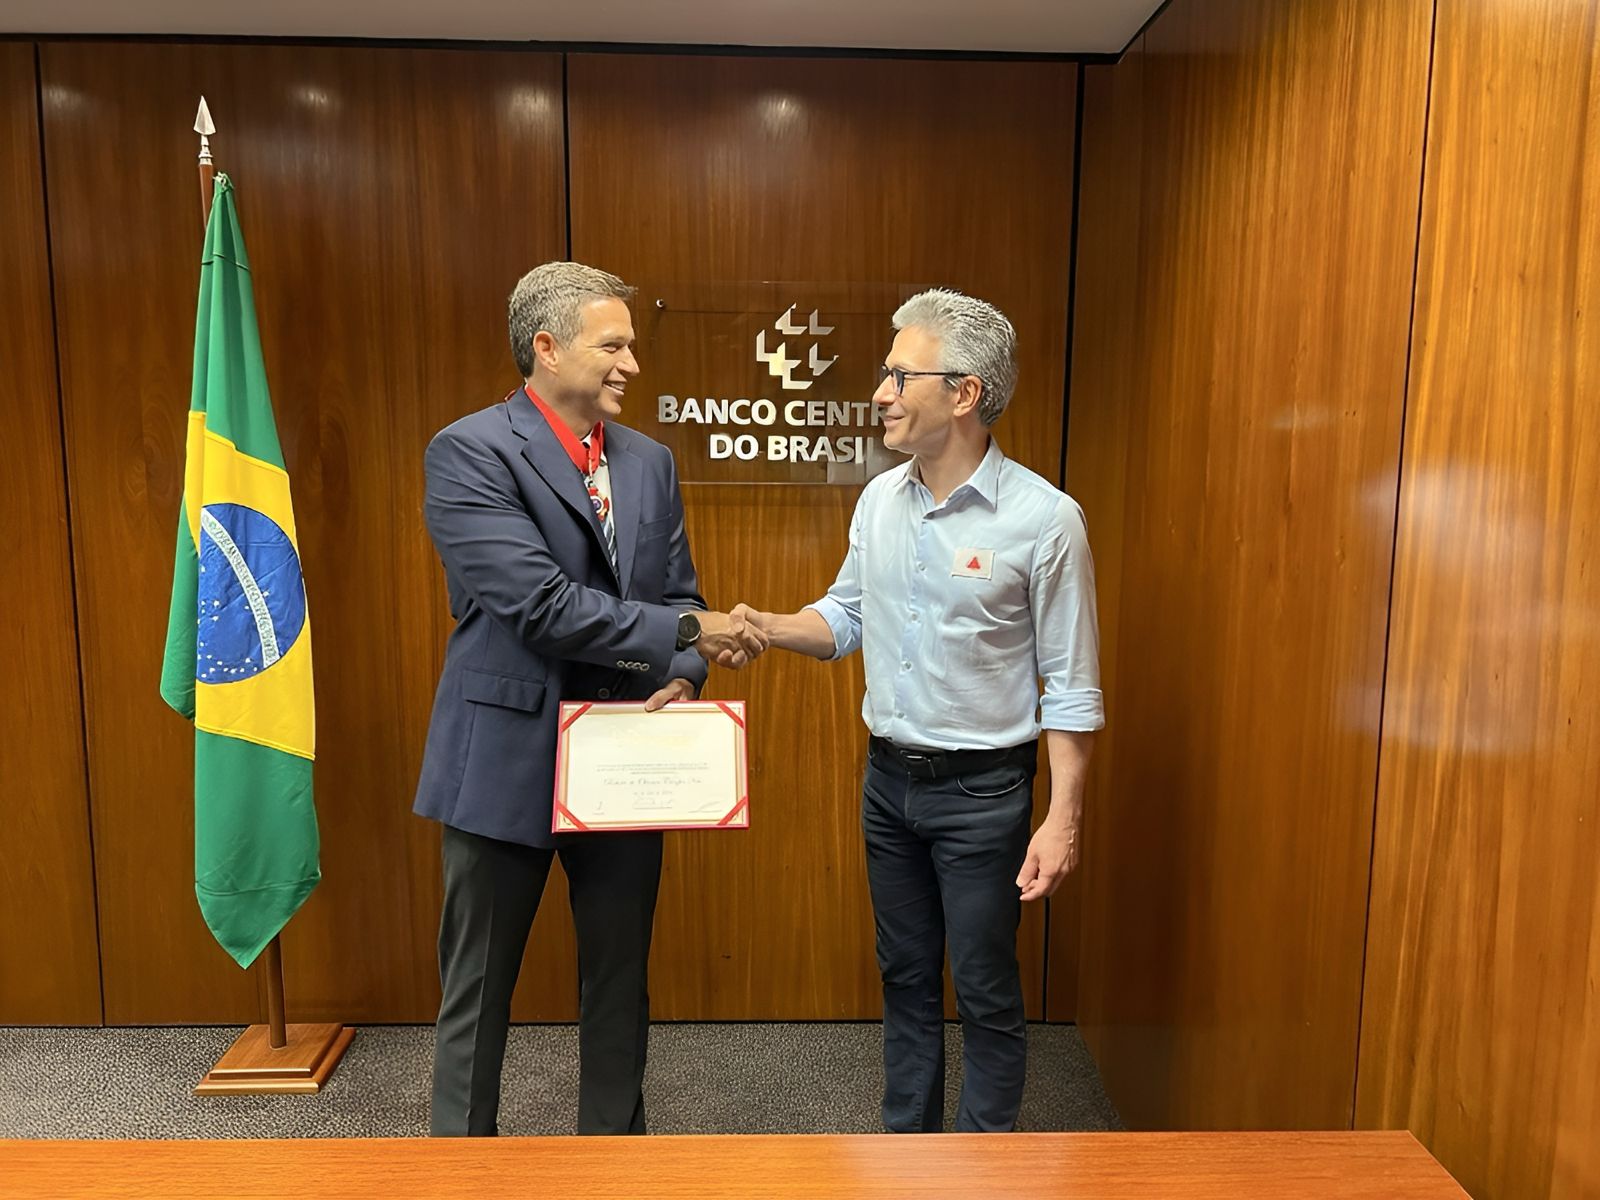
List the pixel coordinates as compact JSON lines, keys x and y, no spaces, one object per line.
{"x":730,"y":640}
{"x":804,"y":632}
{"x":751,"y":619}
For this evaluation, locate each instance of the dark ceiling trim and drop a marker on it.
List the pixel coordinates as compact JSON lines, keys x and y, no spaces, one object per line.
{"x":574,"y":47}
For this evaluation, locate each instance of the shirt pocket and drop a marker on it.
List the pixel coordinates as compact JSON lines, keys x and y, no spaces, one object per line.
{"x":974,"y":605}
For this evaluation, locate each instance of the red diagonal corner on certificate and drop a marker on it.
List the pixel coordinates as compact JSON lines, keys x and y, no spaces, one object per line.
{"x":739,"y":809}
{"x":729,"y":709}
{"x":574,"y":715}
{"x":565,"y":813}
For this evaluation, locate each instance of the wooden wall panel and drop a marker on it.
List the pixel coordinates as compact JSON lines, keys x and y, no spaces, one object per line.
{"x":1107,"y":368}
{"x":844,"y":171}
{"x":390,"y":198}
{"x":1276,"y":189}
{"x":1481,"y":1030}
{"x":49,"y":962}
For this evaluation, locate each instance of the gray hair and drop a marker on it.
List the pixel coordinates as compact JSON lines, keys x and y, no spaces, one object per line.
{"x":975,"y":339}
{"x":549,"y":298}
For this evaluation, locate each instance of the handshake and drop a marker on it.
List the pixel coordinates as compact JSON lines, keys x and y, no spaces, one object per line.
{"x":734,"y":639}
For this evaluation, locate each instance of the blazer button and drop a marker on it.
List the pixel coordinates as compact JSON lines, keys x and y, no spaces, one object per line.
{"x":605,"y":693}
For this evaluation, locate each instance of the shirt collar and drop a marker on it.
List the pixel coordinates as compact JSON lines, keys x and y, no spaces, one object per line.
{"x":984,"y":480}
{"x":586,"y":453}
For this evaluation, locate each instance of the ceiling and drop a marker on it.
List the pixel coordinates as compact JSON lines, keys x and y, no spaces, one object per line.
{"x":1030,"y":26}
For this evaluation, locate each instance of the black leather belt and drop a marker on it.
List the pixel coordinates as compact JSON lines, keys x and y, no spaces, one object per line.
{"x":941,"y":764}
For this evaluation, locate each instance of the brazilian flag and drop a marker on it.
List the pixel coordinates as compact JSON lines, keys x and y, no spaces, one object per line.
{"x":238,"y":658}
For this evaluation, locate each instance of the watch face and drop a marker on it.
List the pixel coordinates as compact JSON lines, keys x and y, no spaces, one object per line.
{"x":688,"y":628}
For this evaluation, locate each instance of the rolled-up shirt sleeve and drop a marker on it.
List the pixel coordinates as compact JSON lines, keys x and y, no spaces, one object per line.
{"x":1066,"y":628}
{"x":841,"y":607}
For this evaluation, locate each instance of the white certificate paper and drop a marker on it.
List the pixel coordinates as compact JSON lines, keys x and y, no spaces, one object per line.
{"x":619,"y":767}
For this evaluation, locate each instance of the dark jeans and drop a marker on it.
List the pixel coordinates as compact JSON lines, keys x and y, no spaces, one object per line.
{"x":942,"y":861}
{"x":491,"y":893}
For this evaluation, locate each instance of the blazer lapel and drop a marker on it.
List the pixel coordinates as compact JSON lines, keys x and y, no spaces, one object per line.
{"x":627,"y":494}
{"x":545,"y":453}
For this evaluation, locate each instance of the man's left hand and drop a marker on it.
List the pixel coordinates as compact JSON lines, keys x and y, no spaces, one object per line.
{"x":1052,"y":854}
{"x":678,"y":689}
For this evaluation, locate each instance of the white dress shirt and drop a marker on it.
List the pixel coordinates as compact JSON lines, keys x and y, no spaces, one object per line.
{"x":961,"y":608}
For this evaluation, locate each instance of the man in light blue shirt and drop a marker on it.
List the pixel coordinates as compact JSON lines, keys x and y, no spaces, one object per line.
{"x":968,"y":579}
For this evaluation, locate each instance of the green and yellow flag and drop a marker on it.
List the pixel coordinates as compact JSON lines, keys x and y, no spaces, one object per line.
{"x":238,"y":659}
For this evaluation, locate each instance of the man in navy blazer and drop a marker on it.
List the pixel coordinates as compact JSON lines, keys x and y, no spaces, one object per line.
{"x":563,"y":544}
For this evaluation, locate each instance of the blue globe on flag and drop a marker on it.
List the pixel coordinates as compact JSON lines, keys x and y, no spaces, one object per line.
{"x":252,"y":600}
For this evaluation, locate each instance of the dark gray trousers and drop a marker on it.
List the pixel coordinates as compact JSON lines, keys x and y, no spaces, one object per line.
{"x":491,"y":893}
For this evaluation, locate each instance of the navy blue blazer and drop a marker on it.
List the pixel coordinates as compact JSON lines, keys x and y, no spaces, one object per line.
{"x":540,"y":615}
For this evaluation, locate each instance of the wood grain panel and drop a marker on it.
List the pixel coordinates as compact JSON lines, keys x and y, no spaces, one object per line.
{"x":49,"y":962}
{"x":1482,"y":1020}
{"x":845,"y":171}
{"x":1108,"y":1166}
{"x":1226,"y":879}
{"x":390,"y":198}
{"x":1107,"y":369}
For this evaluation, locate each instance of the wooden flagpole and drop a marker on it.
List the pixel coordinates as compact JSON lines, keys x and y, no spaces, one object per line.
{"x":272,"y":1057}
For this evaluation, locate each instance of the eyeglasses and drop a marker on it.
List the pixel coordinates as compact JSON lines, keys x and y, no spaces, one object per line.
{"x":900,"y":377}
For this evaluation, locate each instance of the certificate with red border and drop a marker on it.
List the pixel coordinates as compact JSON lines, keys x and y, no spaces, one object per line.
{"x":681,"y":767}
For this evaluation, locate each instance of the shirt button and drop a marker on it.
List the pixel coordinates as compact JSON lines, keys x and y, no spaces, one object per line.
{"x":920,"y":567}
{"x":905,"y":666}
{"x":605,"y":693}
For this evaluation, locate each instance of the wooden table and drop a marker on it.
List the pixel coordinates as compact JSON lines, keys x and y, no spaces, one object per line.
{"x":1108,"y":1166}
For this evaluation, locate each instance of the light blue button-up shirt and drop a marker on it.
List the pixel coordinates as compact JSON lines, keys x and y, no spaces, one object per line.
{"x":961,"y":608}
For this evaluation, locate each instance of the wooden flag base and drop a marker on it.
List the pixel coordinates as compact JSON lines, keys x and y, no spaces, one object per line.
{"x":252,"y":1067}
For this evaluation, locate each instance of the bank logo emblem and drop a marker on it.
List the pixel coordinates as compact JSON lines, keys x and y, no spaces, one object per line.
{"x":780,"y":366}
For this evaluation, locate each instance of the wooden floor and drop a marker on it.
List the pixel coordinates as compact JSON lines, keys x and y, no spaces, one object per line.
{"x":1107,"y":1166}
